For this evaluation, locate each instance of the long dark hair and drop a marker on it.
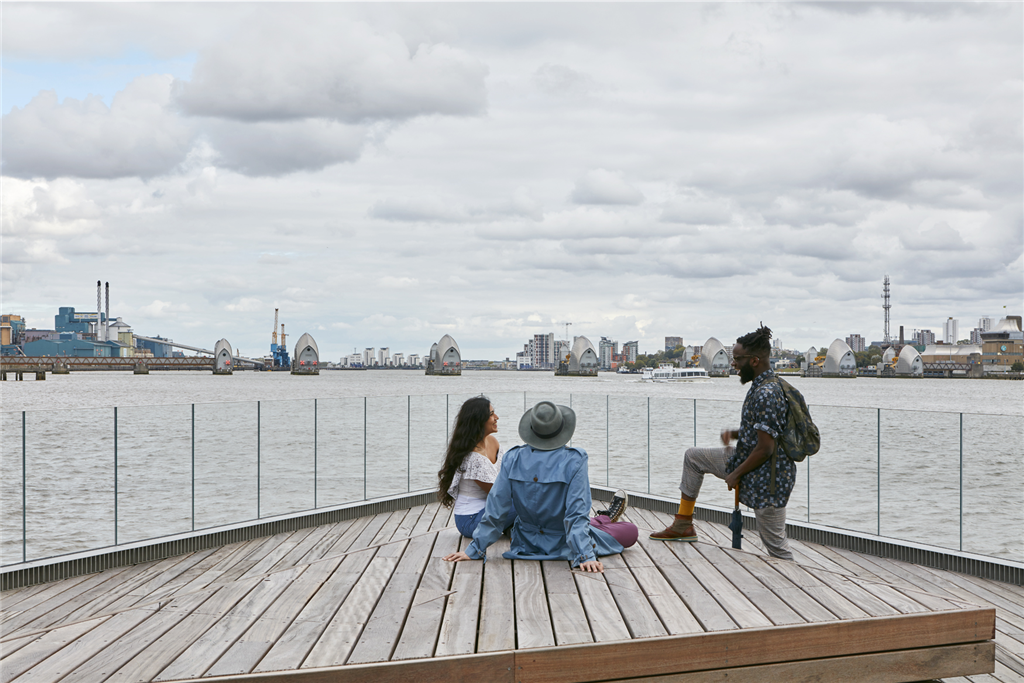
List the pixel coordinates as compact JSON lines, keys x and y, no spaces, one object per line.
{"x":469,"y":430}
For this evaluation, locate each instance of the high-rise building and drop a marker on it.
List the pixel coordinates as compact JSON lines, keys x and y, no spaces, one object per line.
{"x":925,"y":337}
{"x":607,"y":348}
{"x":384,"y":356}
{"x":631,"y":349}
{"x":950,"y":334}
{"x":986,"y":324}
{"x":856,"y":343}
{"x":369,"y":357}
{"x":671,"y":343}
{"x":544,"y":350}
{"x":976,"y":335}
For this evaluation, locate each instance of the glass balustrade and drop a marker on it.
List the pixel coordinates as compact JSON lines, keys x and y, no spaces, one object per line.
{"x":101,"y":477}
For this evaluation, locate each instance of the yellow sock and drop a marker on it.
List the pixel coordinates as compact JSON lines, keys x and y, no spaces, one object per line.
{"x":686,"y":507}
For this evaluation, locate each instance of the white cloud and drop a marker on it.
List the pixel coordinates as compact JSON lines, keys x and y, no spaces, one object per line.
{"x":245,"y":304}
{"x":162,"y":309}
{"x":605,"y":187}
{"x":939,"y":237}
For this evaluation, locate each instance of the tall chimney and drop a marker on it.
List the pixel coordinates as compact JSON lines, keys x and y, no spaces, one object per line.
{"x":99,"y":304}
{"x":106,"y":325}
{"x":901,"y":335}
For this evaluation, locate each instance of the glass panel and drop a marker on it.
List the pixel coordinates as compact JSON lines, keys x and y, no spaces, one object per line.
{"x":993,"y":482}
{"x":920,"y":476}
{"x":339,"y":451}
{"x":591,"y":432}
{"x":428,"y":439}
{"x":226,"y":463}
{"x":286,"y":457}
{"x":627,"y":439}
{"x":671,"y":435}
{"x":847,"y":462}
{"x":154,"y":471}
{"x":10,"y":488}
{"x":712,"y":417}
{"x":70,"y":463}
{"x":387,"y":442}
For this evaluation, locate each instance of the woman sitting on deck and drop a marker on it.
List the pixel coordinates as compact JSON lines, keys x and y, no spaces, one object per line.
{"x":550,"y":488}
{"x":471,"y":464}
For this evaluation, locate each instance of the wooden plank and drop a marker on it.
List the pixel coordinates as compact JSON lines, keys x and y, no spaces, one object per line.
{"x":793,"y":595}
{"x":698,"y":600}
{"x":891,"y":596}
{"x":203,"y":574}
{"x":497,"y":601}
{"x":767,"y":602}
{"x":568,"y":618}
{"x":337,"y":539}
{"x":343,"y":631}
{"x":497,"y":667}
{"x":52,"y":610}
{"x":444,"y":518}
{"x":422,"y":625}
{"x":157,"y":654}
{"x":44,"y":593}
{"x":294,"y":557}
{"x":809,"y":551}
{"x":533,"y":620}
{"x":99,"y":668}
{"x":278,"y":553}
{"x":159,"y":579}
{"x":20,"y":660}
{"x":822,"y":593}
{"x":633,"y":605}
{"x":83,"y":648}
{"x":672,"y":611}
{"x":12,"y":645}
{"x":309,"y":626}
{"x":462,"y":609}
{"x":380,"y":635}
{"x":978,"y":589}
{"x":853,"y":592}
{"x":246,"y":652}
{"x":606,"y":621}
{"x":209,"y":646}
{"x":261,"y":552}
{"x":717,"y":650}
{"x":919,"y":664}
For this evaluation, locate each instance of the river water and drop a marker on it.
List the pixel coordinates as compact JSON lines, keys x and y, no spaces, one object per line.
{"x":184,"y":450}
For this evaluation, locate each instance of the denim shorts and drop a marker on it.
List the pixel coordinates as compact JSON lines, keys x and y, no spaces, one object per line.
{"x":466,"y":524}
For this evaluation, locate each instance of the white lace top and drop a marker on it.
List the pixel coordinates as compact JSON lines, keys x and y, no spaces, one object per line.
{"x":469,"y":497}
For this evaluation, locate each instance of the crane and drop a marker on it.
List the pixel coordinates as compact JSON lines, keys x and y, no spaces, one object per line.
{"x":279,"y":351}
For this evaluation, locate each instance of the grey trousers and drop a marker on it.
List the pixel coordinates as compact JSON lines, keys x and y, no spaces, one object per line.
{"x":771,"y":522}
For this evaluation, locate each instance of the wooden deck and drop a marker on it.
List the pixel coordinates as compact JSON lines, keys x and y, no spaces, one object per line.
{"x":371,"y":600}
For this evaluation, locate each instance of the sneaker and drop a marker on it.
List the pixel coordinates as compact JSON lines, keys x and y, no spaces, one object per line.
{"x":618,"y":506}
{"x":681,"y":529}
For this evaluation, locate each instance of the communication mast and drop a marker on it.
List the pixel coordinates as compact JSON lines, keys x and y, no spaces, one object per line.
{"x":567,"y":330}
{"x":885,"y":306}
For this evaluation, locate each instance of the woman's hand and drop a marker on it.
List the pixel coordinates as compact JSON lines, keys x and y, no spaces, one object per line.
{"x":593,"y":566}
{"x":458,"y":557}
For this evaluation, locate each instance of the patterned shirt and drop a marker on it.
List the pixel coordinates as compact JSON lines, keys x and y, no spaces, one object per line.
{"x":764,"y":409}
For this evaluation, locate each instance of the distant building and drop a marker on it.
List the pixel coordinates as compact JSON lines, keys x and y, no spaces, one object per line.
{"x":839,"y":360}
{"x":950,"y":335}
{"x":369,"y":357}
{"x":1003,"y":345}
{"x":398,"y":360}
{"x":563,"y":347}
{"x":923,"y":337}
{"x":583,"y":359}
{"x":445,"y":358}
{"x":986,"y":324}
{"x":414,"y":360}
{"x":714,"y":358}
{"x":909,"y":362}
{"x":606,"y":349}
{"x":631,"y":349}
{"x":12,"y":329}
{"x":67,"y":320}
{"x":856,"y":343}
{"x":384,"y":356}
{"x":544,"y":350}
{"x":976,"y":335}
{"x":157,"y":349}
{"x":672,"y":342}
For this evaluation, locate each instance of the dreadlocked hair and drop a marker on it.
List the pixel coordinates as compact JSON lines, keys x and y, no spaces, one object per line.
{"x":469,"y":430}
{"x":757,"y":342}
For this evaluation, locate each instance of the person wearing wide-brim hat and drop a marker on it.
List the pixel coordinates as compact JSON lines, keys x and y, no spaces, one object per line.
{"x":547,"y":483}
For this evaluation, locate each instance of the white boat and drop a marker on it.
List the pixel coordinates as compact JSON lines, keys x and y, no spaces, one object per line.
{"x":670,"y":373}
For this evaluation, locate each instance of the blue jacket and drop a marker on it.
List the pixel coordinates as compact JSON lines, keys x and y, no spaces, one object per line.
{"x":551,"y":493}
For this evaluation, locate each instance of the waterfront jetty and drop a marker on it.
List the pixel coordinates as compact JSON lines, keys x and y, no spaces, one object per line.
{"x":360,"y":593}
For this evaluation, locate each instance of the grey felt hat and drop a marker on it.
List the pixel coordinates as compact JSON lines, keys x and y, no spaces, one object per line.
{"x":547,"y":426}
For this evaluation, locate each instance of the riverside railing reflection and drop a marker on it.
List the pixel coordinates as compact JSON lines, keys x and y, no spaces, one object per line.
{"x":79,"y":480}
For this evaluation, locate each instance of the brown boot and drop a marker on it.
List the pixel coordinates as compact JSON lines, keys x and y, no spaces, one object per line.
{"x":680,"y":530}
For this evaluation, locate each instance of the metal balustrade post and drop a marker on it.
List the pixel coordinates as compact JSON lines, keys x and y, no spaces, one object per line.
{"x":408,"y":444}
{"x":193,"y":467}
{"x":115,"y":475}
{"x":24,"y":495}
{"x":648,"y":444}
{"x":808,"y":489}
{"x":257,"y":459}
{"x":607,"y":440}
{"x":364,"y":447}
{"x":315,"y":506}
{"x":961,"y":482}
{"x":694,"y":423}
{"x":878,"y":473}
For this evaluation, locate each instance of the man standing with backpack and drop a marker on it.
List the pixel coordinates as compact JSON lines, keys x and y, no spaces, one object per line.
{"x":774,"y":417}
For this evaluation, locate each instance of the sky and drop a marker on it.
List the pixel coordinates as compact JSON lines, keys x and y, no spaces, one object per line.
{"x":386,"y":174}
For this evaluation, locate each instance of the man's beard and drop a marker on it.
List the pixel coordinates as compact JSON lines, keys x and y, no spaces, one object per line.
{"x":746,"y":374}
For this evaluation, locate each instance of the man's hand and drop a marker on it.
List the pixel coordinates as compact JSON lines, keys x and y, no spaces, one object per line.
{"x":732,"y":480}
{"x":727,"y":435}
{"x":457,"y":557}
{"x":594,"y":566}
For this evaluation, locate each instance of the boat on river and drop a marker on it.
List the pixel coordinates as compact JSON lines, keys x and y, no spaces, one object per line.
{"x":670,"y":373}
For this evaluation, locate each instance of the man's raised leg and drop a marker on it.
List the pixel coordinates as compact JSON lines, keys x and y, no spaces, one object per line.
{"x":696,"y":463}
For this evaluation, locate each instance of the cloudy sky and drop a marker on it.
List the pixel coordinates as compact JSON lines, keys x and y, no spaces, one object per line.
{"x":385,"y":174}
